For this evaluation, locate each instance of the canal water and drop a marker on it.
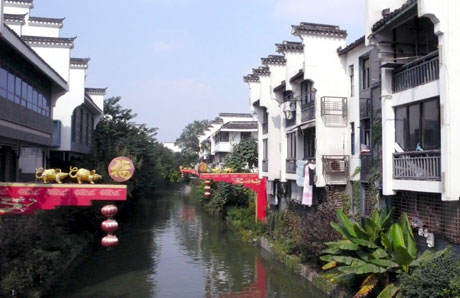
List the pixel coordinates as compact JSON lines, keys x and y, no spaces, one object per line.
{"x":173,"y":249}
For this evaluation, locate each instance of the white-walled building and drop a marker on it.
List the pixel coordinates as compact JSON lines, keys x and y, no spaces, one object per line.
{"x":301,"y":100}
{"x":223,"y":134}
{"x":77,"y":111}
{"x":418,"y":44}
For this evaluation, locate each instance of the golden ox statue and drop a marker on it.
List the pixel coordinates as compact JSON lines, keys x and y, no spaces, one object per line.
{"x":84,"y":175}
{"x":50,"y":175}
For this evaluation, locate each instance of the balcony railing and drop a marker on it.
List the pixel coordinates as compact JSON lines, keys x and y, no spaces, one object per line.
{"x":416,"y":73}
{"x":265,"y":165}
{"x":265,"y":128}
{"x":365,"y":108}
{"x":291,"y":165}
{"x":417,"y":165}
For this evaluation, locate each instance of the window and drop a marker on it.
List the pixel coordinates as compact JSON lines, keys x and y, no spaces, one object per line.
{"x":351,"y":70}
{"x":291,"y":145}
{"x":365,"y":134}
{"x":245,"y":135}
{"x":352,"y":138}
{"x":20,"y":92}
{"x":307,"y":93}
{"x":87,"y":128}
{"x":309,"y":143}
{"x":365,"y":74}
{"x":418,"y":125}
{"x":222,"y":136}
{"x":74,"y":126}
{"x":265,"y":122}
{"x":80,"y":140}
{"x":265,"y":149}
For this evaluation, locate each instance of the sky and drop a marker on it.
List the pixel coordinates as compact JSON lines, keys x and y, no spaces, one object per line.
{"x":176,"y":61}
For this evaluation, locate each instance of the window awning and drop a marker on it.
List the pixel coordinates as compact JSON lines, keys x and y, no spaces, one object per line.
{"x":302,"y":126}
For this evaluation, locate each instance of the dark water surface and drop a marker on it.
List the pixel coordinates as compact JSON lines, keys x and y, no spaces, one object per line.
{"x":172,"y":249}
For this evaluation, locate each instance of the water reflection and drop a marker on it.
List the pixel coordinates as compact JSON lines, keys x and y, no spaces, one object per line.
{"x":173,"y":249}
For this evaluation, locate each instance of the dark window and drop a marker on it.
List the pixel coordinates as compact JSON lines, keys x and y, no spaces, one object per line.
{"x":291,"y":145}
{"x":365,"y":74}
{"x":80,"y":141}
{"x":3,"y":83}
{"x":307,"y":93}
{"x":265,"y":145}
{"x":87,"y":128}
{"x":11,"y":80}
{"x":222,"y":136}
{"x":365,"y":134}
{"x":351,"y":70}
{"x":74,"y":126}
{"x":309,"y":143}
{"x":17,"y":91}
{"x":352,"y":138}
{"x":245,"y":135}
{"x":418,"y":125}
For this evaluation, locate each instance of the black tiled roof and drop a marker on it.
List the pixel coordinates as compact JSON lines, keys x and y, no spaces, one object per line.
{"x":280,"y":87}
{"x":261,"y":71}
{"x":242,"y":115}
{"x":318,"y":29}
{"x":297,"y":76}
{"x":20,"y":1}
{"x":47,"y":20}
{"x":96,"y":91}
{"x":351,"y":46}
{"x":394,"y":14}
{"x":251,"y":78}
{"x":83,"y":61}
{"x":49,"y":40}
{"x":14,"y":17}
{"x":289,"y":46}
{"x":240,"y":125}
{"x":273,"y":59}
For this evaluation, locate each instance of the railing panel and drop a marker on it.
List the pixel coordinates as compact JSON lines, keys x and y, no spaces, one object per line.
{"x":416,"y":73}
{"x":419,"y":165}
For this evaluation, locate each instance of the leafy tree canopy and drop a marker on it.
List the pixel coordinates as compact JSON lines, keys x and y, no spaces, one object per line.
{"x":243,"y":154}
{"x":188,"y":140}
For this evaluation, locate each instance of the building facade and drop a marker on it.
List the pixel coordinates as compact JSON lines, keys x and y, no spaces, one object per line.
{"x":57,"y":114}
{"x":223,"y":134}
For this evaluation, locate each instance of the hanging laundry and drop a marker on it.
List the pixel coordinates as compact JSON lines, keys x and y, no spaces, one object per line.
{"x":286,"y":109}
{"x":307,"y":197}
{"x":300,"y":172}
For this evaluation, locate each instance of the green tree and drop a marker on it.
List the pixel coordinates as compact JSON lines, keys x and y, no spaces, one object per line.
{"x":188,"y":140}
{"x":244,"y":153}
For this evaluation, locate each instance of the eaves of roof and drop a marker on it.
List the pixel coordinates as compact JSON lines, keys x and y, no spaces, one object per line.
{"x":15,"y":18}
{"x":274,"y":60}
{"x":54,"y":41}
{"x":287,"y":46}
{"x":96,"y":91}
{"x":318,"y":29}
{"x":351,"y":46}
{"x":388,"y":18}
{"x":48,"y":21}
{"x":251,"y":78}
{"x":297,"y":76}
{"x":22,"y":47}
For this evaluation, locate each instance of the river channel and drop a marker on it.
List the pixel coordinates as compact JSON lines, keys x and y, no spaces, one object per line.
{"x":172,"y":248}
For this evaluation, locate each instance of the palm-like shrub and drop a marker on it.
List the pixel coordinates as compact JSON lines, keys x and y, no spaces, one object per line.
{"x":377,"y":251}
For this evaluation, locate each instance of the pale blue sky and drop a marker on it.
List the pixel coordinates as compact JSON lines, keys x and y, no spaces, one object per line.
{"x":175,"y":61}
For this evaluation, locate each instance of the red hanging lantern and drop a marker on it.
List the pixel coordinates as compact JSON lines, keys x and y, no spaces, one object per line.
{"x":109,"y":226}
{"x":109,"y":241}
{"x":207,"y":194}
{"x":207,"y":182}
{"x":207,"y":188}
{"x":109,"y":210}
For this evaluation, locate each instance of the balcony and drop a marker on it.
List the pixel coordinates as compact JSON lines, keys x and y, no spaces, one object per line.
{"x":364,"y":108}
{"x":416,"y":73}
{"x":417,"y":165}
{"x":264,"y":165}
{"x":291,"y":165}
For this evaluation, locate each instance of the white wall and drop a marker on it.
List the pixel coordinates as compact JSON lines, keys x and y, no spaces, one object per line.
{"x":324,"y":68}
{"x":57,"y":57}
{"x":40,"y":30}
{"x":66,"y":104}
